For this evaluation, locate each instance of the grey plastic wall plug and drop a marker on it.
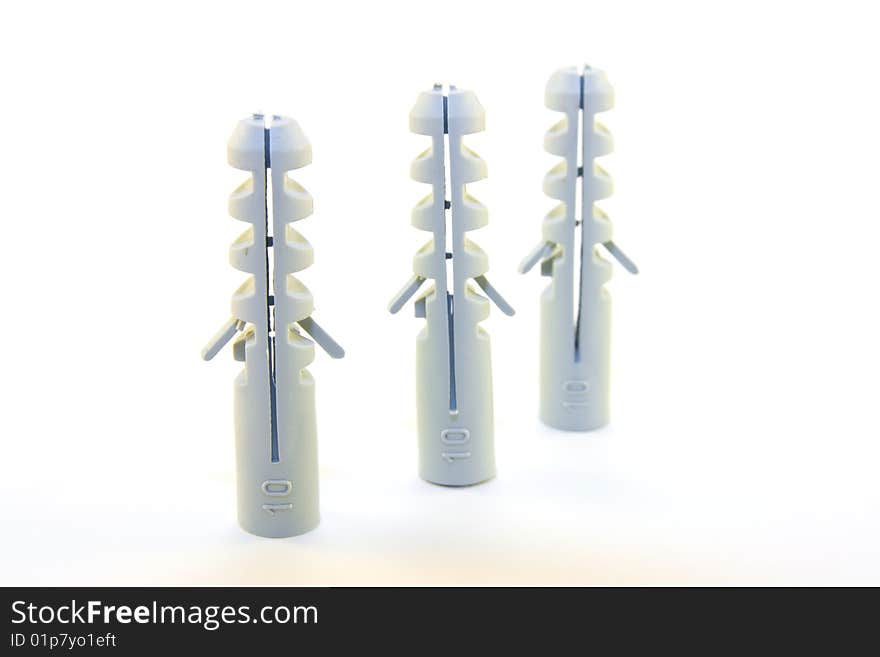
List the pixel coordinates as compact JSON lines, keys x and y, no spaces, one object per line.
{"x":275,"y":429}
{"x":576,"y":307}
{"x":453,"y":362}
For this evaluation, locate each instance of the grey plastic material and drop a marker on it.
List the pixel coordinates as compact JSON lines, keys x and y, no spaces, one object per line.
{"x":453,"y":363}
{"x":576,"y":307}
{"x":275,"y":426}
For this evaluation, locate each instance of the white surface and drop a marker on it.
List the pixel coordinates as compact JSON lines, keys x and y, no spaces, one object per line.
{"x":744,"y":438}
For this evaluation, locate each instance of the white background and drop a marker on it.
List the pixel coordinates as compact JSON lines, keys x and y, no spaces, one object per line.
{"x":744,"y":441}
